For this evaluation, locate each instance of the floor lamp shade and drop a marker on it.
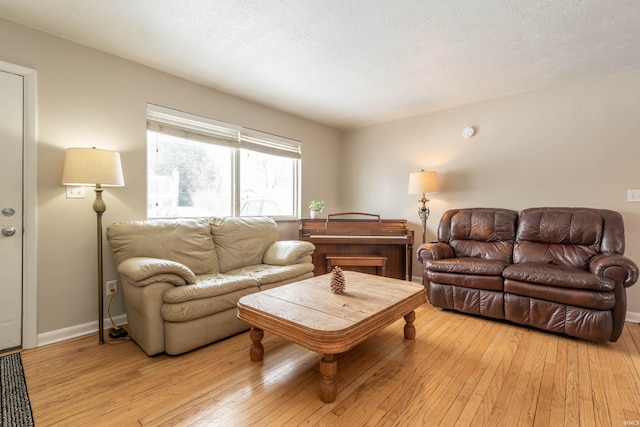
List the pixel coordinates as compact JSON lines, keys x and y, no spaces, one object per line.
{"x":92,"y":166}
{"x":423,"y":182}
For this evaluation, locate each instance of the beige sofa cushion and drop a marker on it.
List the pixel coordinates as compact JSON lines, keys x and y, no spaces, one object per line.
{"x":185,"y":240}
{"x":266,"y":274}
{"x":242,"y":241}
{"x":207,"y":286}
{"x":196,"y":309}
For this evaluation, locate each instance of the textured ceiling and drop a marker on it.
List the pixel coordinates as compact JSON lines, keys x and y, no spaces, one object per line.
{"x":349,"y":63}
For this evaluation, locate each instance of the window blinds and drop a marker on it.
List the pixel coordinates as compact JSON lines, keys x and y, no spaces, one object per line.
{"x":197,"y":128}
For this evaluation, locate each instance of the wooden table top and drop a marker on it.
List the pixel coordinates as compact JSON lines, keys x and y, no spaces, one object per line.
{"x":309,"y":314}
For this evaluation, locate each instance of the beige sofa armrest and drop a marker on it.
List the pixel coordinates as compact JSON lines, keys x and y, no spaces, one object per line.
{"x":288,"y":252}
{"x":144,"y":271}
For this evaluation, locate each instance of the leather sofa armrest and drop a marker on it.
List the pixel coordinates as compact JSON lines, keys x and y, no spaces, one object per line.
{"x":436,"y":250}
{"x":288,"y":252}
{"x":628,"y":270}
{"x":142,"y":271}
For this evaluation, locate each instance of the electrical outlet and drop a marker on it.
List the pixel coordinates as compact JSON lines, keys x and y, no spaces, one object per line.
{"x":112,"y":287}
{"x":75,"y":192}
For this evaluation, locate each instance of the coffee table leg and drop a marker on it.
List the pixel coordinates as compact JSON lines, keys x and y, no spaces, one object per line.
{"x":409,"y":329}
{"x":256,"y":352}
{"x":328,"y":370}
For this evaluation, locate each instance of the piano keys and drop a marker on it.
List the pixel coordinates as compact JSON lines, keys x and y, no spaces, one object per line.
{"x":382,"y":245}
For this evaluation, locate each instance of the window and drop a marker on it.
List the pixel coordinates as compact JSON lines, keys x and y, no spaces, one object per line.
{"x":200,"y":167}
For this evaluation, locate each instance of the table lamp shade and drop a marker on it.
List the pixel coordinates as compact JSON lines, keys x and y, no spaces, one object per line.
{"x":423,"y":182}
{"x":91,"y":166}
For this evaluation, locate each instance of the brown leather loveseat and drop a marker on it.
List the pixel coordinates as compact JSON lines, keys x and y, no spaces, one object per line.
{"x":557,"y":269}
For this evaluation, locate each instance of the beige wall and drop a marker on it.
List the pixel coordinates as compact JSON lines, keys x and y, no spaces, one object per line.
{"x":89,"y":98}
{"x":571,"y":145}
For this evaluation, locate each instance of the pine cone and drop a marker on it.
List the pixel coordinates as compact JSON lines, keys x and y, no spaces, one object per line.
{"x":337,"y":280}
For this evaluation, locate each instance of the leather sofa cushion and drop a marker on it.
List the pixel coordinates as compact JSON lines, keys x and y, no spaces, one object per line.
{"x":480,"y":232}
{"x":242,"y":241}
{"x":493,"y":283}
{"x":568,"y":236}
{"x":184,"y":240}
{"x":478,"y":273}
{"x":575,"y":297}
{"x":468,"y":265}
{"x":558,"y":275}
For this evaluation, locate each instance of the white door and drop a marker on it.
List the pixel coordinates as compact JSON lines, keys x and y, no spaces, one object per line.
{"x":11,"y":190}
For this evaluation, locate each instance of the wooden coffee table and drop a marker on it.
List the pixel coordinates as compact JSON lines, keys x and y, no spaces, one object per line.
{"x":309,"y":314}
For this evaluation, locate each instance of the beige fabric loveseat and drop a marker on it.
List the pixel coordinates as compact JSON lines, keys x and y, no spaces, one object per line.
{"x":182,"y":278}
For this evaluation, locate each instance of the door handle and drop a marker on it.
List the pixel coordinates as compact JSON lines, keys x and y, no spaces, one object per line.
{"x":8,"y":231}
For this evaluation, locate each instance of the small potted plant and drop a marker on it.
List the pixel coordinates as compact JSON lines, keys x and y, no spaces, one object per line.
{"x":315,"y":208}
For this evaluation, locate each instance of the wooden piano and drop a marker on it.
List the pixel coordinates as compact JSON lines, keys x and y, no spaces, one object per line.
{"x":370,"y":245}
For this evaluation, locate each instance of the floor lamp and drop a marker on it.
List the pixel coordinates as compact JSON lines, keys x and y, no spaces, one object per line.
{"x":88,"y":167}
{"x":423,"y":182}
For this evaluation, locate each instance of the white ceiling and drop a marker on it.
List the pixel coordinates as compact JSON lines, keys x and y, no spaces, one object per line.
{"x":349,"y":63}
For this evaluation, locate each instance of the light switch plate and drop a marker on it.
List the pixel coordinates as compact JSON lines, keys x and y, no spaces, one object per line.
{"x":633,"y":195}
{"x":75,"y":192}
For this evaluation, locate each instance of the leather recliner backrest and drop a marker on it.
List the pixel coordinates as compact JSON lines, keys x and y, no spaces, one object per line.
{"x":567,"y":236}
{"x":480,"y":232}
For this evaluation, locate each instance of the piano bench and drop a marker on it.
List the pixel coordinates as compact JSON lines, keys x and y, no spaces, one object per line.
{"x":358,"y":261}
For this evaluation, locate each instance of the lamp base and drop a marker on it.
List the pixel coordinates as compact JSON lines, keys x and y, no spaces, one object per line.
{"x":118,"y":332}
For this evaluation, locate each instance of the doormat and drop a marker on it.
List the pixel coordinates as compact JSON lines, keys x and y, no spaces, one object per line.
{"x":14,"y":398}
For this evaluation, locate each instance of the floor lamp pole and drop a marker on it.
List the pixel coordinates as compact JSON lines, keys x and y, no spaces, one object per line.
{"x":423,"y":213}
{"x":99,"y":207}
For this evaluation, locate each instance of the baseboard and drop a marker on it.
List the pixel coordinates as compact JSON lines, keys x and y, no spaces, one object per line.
{"x":76,"y":331}
{"x":632,"y":317}
{"x":92,"y":327}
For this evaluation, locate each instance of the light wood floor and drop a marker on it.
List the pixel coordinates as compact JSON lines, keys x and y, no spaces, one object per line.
{"x":460,"y":371}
